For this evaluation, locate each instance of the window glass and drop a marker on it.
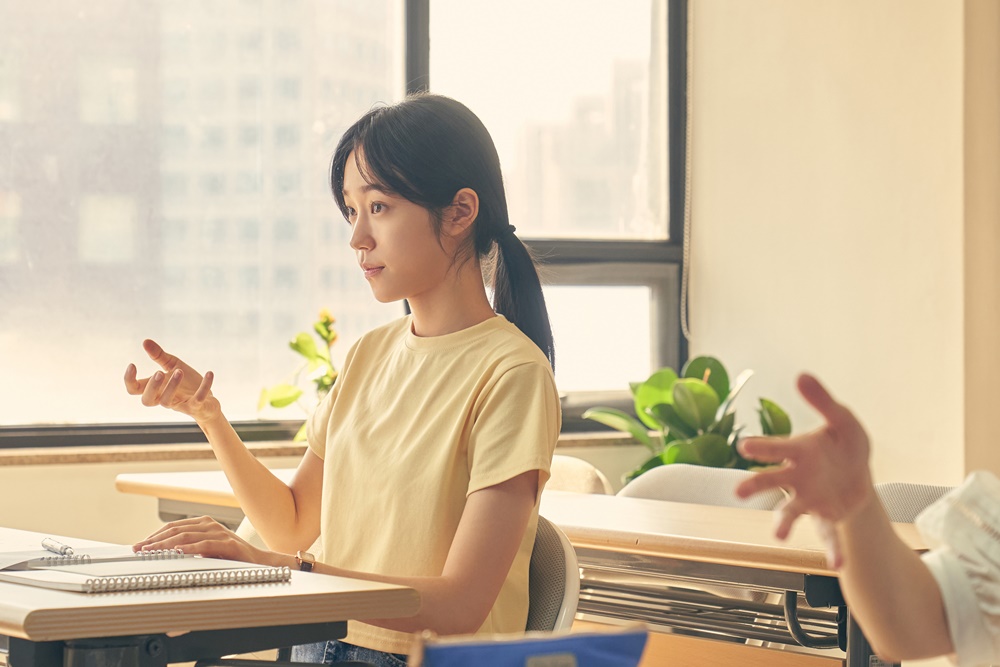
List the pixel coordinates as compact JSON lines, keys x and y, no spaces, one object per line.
{"x":602,"y":335}
{"x":148,"y":193}
{"x":10,"y":213}
{"x":575,"y":100}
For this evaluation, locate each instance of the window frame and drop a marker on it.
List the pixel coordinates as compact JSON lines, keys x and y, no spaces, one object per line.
{"x":657,"y":264}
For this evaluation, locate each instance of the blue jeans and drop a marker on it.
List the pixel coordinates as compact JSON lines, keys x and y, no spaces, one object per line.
{"x":334,"y":651}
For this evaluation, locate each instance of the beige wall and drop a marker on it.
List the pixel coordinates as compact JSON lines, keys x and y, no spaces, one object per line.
{"x":81,"y":500}
{"x":829,"y":191}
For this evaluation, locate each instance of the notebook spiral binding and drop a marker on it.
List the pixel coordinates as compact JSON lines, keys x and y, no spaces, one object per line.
{"x":159,"y":554}
{"x":188,"y":579}
{"x":51,"y":561}
{"x":83,"y":559}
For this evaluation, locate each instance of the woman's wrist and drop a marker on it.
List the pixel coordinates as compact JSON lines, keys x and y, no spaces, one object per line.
{"x":865,"y":518}
{"x":277,"y":559}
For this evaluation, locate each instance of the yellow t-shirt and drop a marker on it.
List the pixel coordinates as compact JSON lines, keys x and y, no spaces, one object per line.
{"x":411,"y":428}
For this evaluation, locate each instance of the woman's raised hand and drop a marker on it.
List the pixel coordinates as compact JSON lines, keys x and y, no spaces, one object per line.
{"x":178,"y":386}
{"x":826,"y":470}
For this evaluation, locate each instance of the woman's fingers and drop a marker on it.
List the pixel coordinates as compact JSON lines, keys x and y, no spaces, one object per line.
{"x":205,"y":388}
{"x":183,"y":531}
{"x":133,"y":385}
{"x":769,"y":450}
{"x":151,"y":394}
{"x":786,"y":516}
{"x":167,"y":396}
{"x":762,"y":481}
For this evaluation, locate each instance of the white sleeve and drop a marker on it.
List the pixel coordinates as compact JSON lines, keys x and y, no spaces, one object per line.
{"x":963,"y":529}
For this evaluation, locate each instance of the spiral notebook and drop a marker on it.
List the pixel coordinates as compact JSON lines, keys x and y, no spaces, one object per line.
{"x":138,"y":572}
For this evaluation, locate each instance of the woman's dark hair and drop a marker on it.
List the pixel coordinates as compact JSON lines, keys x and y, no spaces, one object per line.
{"x":427,"y":148}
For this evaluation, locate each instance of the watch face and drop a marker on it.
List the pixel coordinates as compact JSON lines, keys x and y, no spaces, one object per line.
{"x":305,"y":560}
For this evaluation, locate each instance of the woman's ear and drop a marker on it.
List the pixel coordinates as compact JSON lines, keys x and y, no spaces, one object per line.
{"x":461,"y":213}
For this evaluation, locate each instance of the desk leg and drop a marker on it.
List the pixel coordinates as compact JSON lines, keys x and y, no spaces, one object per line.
{"x":859,"y":651}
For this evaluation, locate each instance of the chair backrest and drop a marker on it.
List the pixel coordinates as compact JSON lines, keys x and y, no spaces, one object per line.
{"x":572,"y":474}
{"x":553,"y":580}
{"x":684,"y":483}
{"x":616,"y":648}
{"x":903,"y":501}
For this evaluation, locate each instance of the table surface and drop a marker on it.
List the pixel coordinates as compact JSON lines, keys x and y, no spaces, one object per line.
{"x":41,"y":614}
{"x":703,"y":533}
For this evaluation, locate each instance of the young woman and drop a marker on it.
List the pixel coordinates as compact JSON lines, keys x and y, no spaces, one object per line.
{"x":910,"y":607}
{"x":427,"y":459}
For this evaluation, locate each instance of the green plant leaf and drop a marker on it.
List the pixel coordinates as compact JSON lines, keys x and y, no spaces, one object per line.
{"x":774,"y":420}
{"x":634,"y":387}
{"x":300,"y":435}
{"x":718,"y":378}
{"x":654,"y":462}
{"x":282,"y":395}
{"x":667,"y":415}
{"x":696,"y":402}
{"x":655,"y":390}
{"x":724,"y":426}
{"x":325,"y":332}
{"x":727,"y":404}
{"x":621,"y":421}
{"x":705,"y":450}
{"x":304,"y":344}
{"x":262,"y":401}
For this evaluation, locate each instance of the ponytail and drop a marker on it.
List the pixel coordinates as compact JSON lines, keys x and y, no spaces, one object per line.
{"x":425,"y":149}
{"x":517,"y":292}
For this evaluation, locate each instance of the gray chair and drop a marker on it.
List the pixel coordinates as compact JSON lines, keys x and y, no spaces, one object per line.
{"x":553,"y":580}
{"x":684,"y":483}
{"x":903,"y":501}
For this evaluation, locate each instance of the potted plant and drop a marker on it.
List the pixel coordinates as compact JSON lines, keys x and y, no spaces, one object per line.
{"x":690,"y":418}
{"x":316,"y":363}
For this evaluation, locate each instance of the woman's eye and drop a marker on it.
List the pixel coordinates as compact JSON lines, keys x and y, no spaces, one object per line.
{"x":377,"y":207}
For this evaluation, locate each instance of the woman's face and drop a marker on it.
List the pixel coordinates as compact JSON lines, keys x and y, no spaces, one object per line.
{"x":394,"y":240}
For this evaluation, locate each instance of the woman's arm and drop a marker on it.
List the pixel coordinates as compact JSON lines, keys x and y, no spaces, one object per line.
{"x":889,"y":589}
{"x":286,"y":516}
{"x":893,"y":595}
{"x":456,"y":602}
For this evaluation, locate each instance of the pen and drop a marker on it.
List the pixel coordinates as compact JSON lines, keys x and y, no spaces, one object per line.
{"x":57,"y":547}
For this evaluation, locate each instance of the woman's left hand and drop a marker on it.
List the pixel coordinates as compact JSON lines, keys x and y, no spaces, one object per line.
{"x":207,"y":537}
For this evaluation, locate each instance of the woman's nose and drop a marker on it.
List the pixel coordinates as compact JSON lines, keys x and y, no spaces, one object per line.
{"x":361,"y":238}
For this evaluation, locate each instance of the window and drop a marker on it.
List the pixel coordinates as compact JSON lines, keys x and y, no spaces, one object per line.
{"x":107,"y":229}
{"x":166,"y":199}
{"x":578,"y":111}
{"x":10,"y":214}
{"x":146,"y":194}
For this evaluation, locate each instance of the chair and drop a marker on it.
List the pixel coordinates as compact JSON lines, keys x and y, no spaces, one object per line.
{"x":903,"y":501}
{"x":553,"y":580}
{"x":684,"y":483}
{"x":569,"y":473}
{"x":617,"y":648}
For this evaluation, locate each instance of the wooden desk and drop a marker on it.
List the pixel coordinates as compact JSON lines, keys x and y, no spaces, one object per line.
{"x":47,"y":627}
{"x":652,"y":561}
{"x":187,"y":494}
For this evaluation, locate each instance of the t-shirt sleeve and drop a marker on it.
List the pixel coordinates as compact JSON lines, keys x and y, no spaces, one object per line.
{"x":319,"y":421}
{"x":516,"y":426}
{"x":964,"y":530}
